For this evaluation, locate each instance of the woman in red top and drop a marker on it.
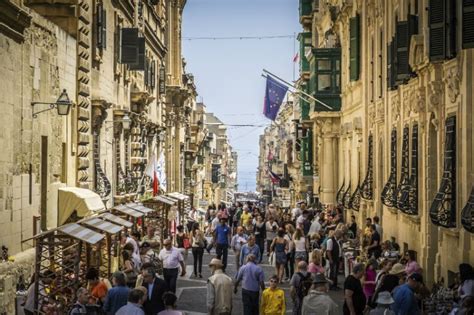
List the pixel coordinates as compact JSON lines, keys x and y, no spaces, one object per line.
{"x":369,"y":279}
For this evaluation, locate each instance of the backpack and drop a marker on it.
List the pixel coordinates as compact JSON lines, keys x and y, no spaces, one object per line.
{"x":304,"y":285}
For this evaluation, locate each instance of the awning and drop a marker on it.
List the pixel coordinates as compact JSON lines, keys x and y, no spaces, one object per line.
{"x":178,"y":196}
{"x":81,"y":233}
{"x":139,"y":207}
{"x":83,"y":201}
{"x":117,"y":220}
{"x":165,"y":200}
{"x":102,"y":225}
{"x":128,"y":211}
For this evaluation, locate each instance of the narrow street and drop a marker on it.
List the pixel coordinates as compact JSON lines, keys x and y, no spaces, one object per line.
{"x":192,"y":291}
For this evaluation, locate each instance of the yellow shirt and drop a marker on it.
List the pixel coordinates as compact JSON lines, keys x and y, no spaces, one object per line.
{"x":246,"y":217}
{"x":273,"y":302}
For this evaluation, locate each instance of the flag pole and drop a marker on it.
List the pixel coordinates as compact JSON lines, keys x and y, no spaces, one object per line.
{"x":299,"y":95}
{"x":298,"y":90}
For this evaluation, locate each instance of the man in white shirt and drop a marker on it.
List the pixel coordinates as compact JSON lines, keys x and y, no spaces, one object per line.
{"x":315,"y":226}
{"x":172,"y":259}
{"x":238,"y":240}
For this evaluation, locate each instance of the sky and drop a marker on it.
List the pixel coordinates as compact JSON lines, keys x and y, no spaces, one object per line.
{"x":227,"y":73}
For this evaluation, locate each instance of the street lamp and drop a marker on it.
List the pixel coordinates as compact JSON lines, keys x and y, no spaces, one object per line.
{"x":126,"y":122}
{"x":63,"y":105}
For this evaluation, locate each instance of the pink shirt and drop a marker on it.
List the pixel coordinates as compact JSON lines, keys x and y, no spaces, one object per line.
{"x":412,"y":267}
{"x":312,"y":268}
{"x":369,"y":288}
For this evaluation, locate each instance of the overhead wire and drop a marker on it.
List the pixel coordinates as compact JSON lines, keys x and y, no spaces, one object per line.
{"x":239,"y":37}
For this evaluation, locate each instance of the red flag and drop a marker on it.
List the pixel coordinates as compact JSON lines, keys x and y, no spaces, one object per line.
{"x":156,"y":184}
{"x":295,"y":58}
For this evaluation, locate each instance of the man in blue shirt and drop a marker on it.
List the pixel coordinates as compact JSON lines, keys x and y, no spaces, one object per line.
{"x":118,"y":295}
{"x":249,"y":248}
{"x":404,"y":296}
{"x":252,"y":278}
{"x":222,"y":240}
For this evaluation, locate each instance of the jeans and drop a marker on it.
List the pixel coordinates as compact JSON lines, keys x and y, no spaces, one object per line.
{"x":198,"y":252}
{"x":222,"y":252}
{"x":290,"y":264}
{"x":260,"y":241}
{"x":334,"y":271}
{"x":250,"y":300}
{"x":171,"y":276}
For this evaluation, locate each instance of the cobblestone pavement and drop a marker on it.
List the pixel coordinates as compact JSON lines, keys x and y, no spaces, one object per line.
{"x":192,"y":291}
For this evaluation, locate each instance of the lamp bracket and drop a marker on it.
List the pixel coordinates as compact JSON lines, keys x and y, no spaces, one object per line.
{"x":51,"y":106}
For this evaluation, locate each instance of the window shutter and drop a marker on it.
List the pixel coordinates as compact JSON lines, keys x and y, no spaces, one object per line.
{"x":389,"y":65}
{"x":103,"y":29}
{"x":354,"y":30}
{"x":436,"y":22}
{"x":140,"y":64}
{"x":99,"y":24}
{"x":467,"y":24}
{"x":129,"y":46}
{"x":392,"y":65}
{"x":153,"y":74}
{"x":402,"y":51}
{"x":451,"y":29}
{"x":146,"y":73}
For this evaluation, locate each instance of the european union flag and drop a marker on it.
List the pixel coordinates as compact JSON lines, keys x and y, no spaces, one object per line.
{"x":274,"y":95}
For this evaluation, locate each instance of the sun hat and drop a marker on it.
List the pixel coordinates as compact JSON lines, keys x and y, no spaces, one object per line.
{"x":397,"y":269}
{"x":216,"y":262}
{"x":319,"y":279}
{"x":385,"y":298}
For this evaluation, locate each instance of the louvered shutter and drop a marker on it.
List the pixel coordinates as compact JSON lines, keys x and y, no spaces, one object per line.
{"x":129,"y":46}
{"x":402,"y":51}
{"x":354,"y":53}
{"x":392,"y":65}
{"x":140,"y":64}
{"x":153,"y":73}
{"x":146,"y":76}
{"x":436,"y":21}
{"x":103,"y":29}
{"x":450,"y":29}
{"x":99,"y":22}
{"x":467,"y":23}
{"x":389,"y":65}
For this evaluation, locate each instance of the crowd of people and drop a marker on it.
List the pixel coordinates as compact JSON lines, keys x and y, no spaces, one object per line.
{"x":306,"y":248}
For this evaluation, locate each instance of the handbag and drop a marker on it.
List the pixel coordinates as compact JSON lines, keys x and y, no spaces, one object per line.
{"x":186,"y":243}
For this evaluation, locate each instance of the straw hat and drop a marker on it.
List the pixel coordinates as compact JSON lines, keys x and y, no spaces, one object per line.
{"x":385,"y":298}
{"x":216,"y":263}
{"x":397,"y":269}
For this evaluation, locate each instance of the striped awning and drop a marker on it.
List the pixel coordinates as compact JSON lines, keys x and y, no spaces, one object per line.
{"x":102,"y":225}
{"x":117,"y":220}
{"x":128,"y":211}
{"x":81,"y":233}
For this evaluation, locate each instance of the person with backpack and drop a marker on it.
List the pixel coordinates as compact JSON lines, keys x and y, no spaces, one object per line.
{"x":300,"y":285}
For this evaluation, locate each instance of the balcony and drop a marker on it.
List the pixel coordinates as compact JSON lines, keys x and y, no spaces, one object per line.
{"x":305,"y":44}
{"x":325,"y":78}
{"x":306,"y":10}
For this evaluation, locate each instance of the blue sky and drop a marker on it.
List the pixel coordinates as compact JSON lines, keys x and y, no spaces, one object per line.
{"x":228,"y":72}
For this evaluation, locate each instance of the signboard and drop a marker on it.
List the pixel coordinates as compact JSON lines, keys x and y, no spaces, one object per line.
{"x":203,"y":203}
{"x":162,"y":81}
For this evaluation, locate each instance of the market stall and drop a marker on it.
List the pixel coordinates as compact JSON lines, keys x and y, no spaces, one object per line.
{"x":180,"y":203}
{"x":62,"y":257}
{"x":128,"y":214}
{"x":160,"y":217}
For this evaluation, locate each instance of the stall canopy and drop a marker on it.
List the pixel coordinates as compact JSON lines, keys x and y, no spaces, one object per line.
{"x":165,"y":200}
{"x":179,"y":196}
{"x":102,"y":225}
{"x":128,"y":211}
{"x":117,"y":220}
{"x":139,"y":207}
{"x":81,"y":233}
{"x":82,"y":201}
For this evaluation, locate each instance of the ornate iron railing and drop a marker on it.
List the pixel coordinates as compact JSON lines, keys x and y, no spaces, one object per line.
{"x":367,"y":191}
{"x":403,"y":189}
{"x":389,"y":192}
{"x":443,"y":208}
{"x":346,"y":198}
{"x":413,"y":194}
{"x":340,"y":193}
{"x":102,"y":183}
{"x":467,"y":214}
{"x":355,"y":199}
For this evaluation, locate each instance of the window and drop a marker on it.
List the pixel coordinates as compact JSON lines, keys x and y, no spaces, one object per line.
{"x":380,"y":59}
{"x":354,"y":50}
{"x":101,"y":27}
{"x":372,"y":69}
{"x":442,"y":29}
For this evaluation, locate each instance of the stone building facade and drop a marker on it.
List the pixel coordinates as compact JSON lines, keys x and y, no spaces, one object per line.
{"x":397,"y":141}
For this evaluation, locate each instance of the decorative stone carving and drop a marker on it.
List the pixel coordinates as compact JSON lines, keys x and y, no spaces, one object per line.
{"x":371,"y":114}
{"x":395,"y":106}
{"x":380,"y":111}
{"x":452,"y":79}
{"x":420,"y":99}
{"x":435,"y":95}
{"x":408,"y":100}
{"x":417,"y":59}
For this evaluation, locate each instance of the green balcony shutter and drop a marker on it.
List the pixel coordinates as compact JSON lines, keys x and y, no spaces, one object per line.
{"x":354,"y":53}
{"x":129,"y":46}
{"x":140,"y":65}
{"x":436,"y":22}
{"x":467,"y":24}
{"x":307,"y":153}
